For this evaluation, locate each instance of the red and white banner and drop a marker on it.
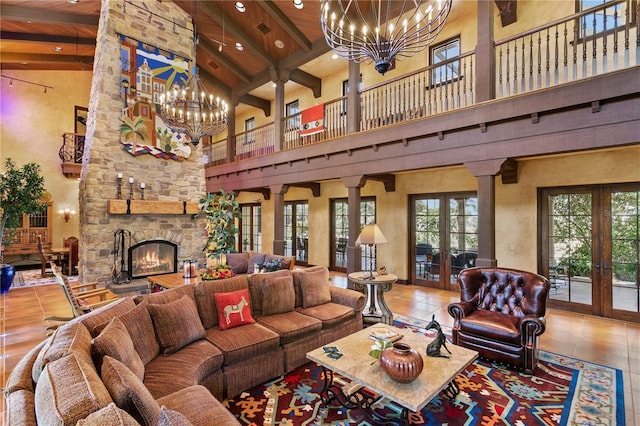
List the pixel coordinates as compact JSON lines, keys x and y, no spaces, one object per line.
{"x":312,"y":120}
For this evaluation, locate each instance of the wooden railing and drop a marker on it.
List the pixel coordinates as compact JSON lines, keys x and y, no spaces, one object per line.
{"x":599,"y":40}
{"x":586,"y":44}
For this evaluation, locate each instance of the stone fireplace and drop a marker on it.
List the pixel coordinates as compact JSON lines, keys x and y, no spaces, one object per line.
{"x":153,"y":257}
{"x":167,"y":182}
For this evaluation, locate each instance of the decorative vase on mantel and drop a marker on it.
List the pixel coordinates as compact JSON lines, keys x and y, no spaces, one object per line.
{"x":401,"y":362}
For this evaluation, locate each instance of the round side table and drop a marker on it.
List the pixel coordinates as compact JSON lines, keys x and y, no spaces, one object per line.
{"x":374,"y":289}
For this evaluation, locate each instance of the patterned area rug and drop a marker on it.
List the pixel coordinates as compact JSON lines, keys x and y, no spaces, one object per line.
{"x":564,"y":391}
{"x":32,"y":277}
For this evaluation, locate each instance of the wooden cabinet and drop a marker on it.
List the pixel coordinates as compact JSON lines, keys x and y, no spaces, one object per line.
{"x":25,"y":238}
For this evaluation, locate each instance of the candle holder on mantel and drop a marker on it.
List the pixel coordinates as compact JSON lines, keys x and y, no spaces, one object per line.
{"x":130,"y":196}
{"x":119,"y":193}
{"x":142,"y":191}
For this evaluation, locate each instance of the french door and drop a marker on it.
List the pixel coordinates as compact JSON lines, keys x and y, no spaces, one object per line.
{"x":590,"y":249}
{"x":296,"y":230}
{"x":250,"y":228}
{"x":444,"y":239}
{"x":340,"y":231}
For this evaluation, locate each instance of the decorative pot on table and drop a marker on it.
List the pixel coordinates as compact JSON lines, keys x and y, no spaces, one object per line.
{"x":401,"y":362}
{"x":7,"y":272}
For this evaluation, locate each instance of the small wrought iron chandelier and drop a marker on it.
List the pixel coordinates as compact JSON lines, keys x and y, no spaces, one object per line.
{"x":380,"y":31}
{"x":191,"y":110}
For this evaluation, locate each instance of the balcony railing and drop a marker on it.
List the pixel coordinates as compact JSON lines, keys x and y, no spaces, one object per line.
{"x":71,"y":153}
{"x":599,"y":40}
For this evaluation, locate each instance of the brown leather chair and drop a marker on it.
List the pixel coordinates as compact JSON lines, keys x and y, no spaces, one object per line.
{"x":501,"y":315}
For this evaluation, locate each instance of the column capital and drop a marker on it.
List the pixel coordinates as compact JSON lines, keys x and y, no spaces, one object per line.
{"x":486,"y":167}
{"x":279,"y":188}
{"x":357,"y":181}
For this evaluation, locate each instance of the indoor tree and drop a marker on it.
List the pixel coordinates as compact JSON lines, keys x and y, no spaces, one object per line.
{"x":221,"y":211}
{"x":21,"y":192}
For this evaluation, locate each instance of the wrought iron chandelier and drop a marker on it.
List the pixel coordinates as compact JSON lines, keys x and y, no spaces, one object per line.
{"x":190,"y":109}
{"x":380,"y":31}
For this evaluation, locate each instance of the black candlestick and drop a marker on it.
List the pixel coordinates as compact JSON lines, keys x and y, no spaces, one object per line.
{"x":119,"y":193}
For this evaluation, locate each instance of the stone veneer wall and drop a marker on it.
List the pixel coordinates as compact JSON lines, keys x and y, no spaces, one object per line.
{"x":104,"y":156}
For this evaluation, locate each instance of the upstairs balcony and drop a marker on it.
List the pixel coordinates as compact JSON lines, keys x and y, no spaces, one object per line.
{"x":576,"y":50}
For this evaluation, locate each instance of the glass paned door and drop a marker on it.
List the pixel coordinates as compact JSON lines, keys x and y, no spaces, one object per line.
{"x":251,"y":227}
{"x":441,"y":252}
{"x":296,"y":229}
{"x":340,"y":231}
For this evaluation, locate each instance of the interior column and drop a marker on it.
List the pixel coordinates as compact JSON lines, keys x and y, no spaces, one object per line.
{"x":278,"y":192}
{"x":353,"y":98}
{"x":231,"y":134}
{"x":485,"y":172}
{"x":353,"y":184}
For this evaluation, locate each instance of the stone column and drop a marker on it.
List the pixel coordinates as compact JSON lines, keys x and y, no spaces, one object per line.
{"x":278,"y":192}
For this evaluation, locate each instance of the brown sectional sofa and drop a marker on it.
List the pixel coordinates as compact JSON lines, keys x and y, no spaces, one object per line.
{"x":170,"y":357}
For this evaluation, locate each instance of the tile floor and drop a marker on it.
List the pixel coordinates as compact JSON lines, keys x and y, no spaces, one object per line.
{"x":594,"y":339}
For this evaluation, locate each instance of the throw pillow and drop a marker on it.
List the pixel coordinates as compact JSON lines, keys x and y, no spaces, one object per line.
{"x":233,"y":309}
{"x":278,"y":296}
{"x":115,"y":342}
{"x":176,"y":324}
{"x":315,"y":288}
{"x":110,"y":415}
{"x":285,"y":262}
{"x":172,"y":418}
{"x":129,"y":393}
{"x":269,"y":266}
{"x":239,"y":262}
{"x":254,"y":259}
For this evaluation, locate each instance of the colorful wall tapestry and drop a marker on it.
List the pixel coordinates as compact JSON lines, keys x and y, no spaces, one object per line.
{"x":147,"y":73}
{"x":312,"y":120}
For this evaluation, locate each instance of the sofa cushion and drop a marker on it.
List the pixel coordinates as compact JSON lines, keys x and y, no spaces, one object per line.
{"x":233,"y":309}
{"x":167,"y":296}
{"x":205,"y":292}
{"x":239,"y":262}
{"x":278,"y":296}
{"x":110,"y":415}
{"x":254,"y":259}
{"x":331,"y":314}
{"x":115,"y":342}
{"x":300,"y":276}
{"x":257,"y":282}
{"x":104,"y":314}
{"x":491,"y":325}
{"x":69,"y":390}
{"x":72,"y":337}
{"x":241,"y":343}
{"x":172,"y":418}
{"x":176,"y":324}
{"x":187,"y":367}
{"x":129,"y":393}
{"x":199,"y":407}
{"x":21,"y":375}
{"x":314,"y":287}
{"x":20,"y":408}
{"x":291,"y":326}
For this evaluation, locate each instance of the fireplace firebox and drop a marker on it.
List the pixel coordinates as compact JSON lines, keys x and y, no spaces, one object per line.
{"x":153,"y":257}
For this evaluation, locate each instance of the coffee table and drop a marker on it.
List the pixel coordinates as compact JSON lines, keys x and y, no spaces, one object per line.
{"x":366,"y":373}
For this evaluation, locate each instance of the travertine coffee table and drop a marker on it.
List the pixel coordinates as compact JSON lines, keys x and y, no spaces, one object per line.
{"x":356,"y":364}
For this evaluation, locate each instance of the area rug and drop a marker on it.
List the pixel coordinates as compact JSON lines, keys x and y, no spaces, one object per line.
{"x":564,"y":391}
{"x":32,"y":277}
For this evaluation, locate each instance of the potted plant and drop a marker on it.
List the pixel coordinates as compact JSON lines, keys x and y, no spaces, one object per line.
{"x":221,"y":211}
{"x":21,"y":191}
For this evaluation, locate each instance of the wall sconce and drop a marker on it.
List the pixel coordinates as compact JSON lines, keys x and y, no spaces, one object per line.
{"x":66,"y":214}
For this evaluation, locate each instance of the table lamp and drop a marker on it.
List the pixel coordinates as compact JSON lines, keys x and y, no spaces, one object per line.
{"x":371,"y":236}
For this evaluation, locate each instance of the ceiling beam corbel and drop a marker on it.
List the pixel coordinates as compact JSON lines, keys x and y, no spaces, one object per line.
{"x":256,"y":102}
{"x":389,"y":181}
{"x":508,"y":11}
{"x":313,"y":186}
{"x":307,"y":80}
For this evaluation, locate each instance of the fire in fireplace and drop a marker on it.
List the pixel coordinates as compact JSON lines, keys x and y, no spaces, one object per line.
{"x":153,"y":257}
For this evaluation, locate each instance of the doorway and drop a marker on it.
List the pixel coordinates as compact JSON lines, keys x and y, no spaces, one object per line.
{"x":296,"y":230}
{"x":340,"y":230}
{"x":590,"y":249}
{"x":444,"y":238}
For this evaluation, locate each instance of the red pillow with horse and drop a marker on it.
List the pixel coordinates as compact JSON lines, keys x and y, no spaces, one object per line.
{"x":233,"y":309}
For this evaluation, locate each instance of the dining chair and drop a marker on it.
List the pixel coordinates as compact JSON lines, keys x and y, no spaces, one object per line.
{"x":72,"y":243}
{"x":46,"y":257}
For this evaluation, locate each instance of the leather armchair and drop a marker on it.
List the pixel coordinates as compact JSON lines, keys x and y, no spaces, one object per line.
{"x":501,"y":315}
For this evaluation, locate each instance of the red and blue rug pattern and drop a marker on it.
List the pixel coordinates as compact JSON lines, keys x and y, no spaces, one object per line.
{"x":563,"y":391}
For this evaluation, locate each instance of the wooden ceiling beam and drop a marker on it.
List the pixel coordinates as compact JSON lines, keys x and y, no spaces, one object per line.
{"x":44,"y":58}
{"x":256,"y":102}
{"x":307,"y":80}
{"x":217,"y":84}
{"x":46,"y":38}
{"x":42,"y":16}
{"x":286,"y":24}
{"x":224,"y":61}
{"x":215,"y":12}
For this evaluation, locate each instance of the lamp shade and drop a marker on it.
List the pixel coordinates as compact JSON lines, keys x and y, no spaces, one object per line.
{"x":371,"y":235}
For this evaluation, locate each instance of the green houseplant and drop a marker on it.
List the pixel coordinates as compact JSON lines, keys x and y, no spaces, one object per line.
{"x":21,"y":191}
{"x":221,"y":211}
